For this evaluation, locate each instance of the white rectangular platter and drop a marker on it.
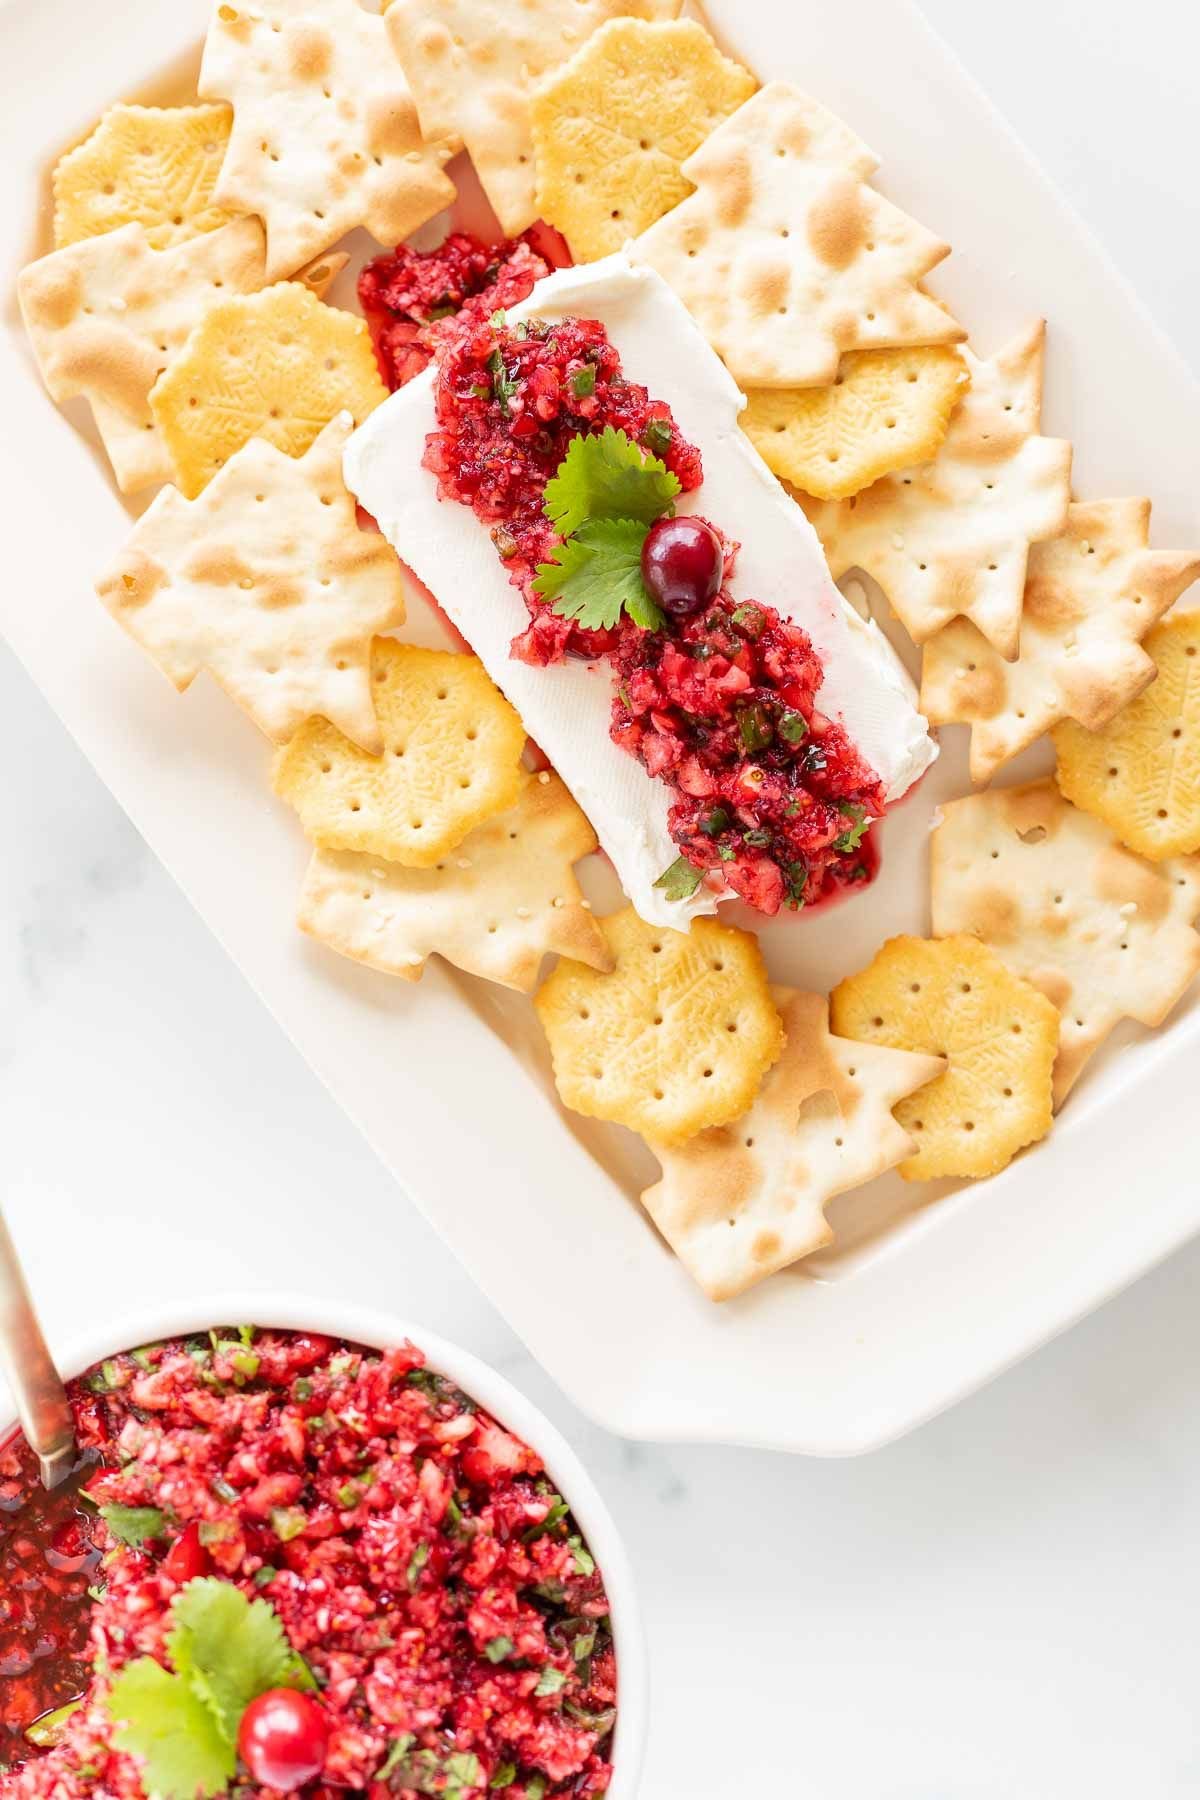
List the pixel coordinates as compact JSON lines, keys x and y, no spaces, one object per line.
{"x":929,"y":1293}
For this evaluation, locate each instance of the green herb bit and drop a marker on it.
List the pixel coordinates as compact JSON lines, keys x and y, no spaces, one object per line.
{"x":558,"y":1511}
{"x":681,"y":880}
{"x":416,"y":1563}
{"x":302,"y":1388}
{"x":51,"y":1728}
{"x":498,"y":320}
{"x":505,"y":1775}
{"x":503,"y":386}
{"x":349,"y":1495}
{"x":535,"y":1786}
{"x":498,"y":1648}
{"x":224,"y":1490}
{"x":726,"y":852}
{"x":479,"y":392}
{"x":715,"y":822}
{"x":143,"y":1356}
{"x":584,"y":1561}
{"x":860,"y":824}
{"x":265,"y":1576}
{"x":756,"y":727}
{"x":756,"y":840}
{"x":583,"y":382}
{"x":793,"y":727}
{"x":134,"y":1525}
{"x":287,"y":1522}
{"x":551,"y":1681}
{"x":400,"y":1748}
{"x":750,"y":620}
{"x":657,"y":436}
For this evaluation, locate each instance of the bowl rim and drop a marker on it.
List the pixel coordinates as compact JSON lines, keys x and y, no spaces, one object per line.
{"x":378,"y":1329}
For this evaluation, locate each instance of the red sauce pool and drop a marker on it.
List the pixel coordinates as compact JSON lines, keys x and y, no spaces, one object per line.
{"x":48,"y":1560}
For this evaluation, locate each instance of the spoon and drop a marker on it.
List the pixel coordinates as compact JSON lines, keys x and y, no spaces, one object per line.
{"x":42,"y":1404}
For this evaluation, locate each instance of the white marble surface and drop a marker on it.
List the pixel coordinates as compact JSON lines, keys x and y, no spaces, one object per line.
{"x":1004,"y":1604}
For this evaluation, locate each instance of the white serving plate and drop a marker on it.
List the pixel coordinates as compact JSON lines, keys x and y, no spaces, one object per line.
{"x":930,"y":1291}
{"x":378,"y":1330}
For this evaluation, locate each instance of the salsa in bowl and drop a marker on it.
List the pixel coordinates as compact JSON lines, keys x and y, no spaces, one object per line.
{"x":314,"y":1558}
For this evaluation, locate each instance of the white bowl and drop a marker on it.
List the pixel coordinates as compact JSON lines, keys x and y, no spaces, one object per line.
{"x":378,"y":1330}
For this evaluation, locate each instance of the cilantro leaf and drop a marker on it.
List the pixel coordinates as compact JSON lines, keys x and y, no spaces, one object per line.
{"x":679,"y":882}
{"x":551,"y":1680}
{"x":597,"y":574}
{"x":854,"y":833}
{"x":227,"y":1648}
{"x":160,"y":1719}
{"x":608,"y":477}
{"x":134,"y":1525}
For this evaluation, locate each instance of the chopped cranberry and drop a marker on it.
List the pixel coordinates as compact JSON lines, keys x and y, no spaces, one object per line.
{"x":187,"y":1557}
{"x":283,"y":1739}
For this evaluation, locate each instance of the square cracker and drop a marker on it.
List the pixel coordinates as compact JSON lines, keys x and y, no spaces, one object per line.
{"x":952,"y":537}
{"x":1091,"y":596}
{"x":785,"y":256}
{"x":742,"y":1201}
{"x":496,"y":906}
{"x":1101,"y":932}
{"x":267,"y":582}
{"x":473,"y":66}
{"x":106,"y":316}
{"x":325,"y":134}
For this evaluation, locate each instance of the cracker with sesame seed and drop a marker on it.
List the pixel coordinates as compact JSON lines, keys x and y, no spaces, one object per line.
{"x":887,"y":410}
{"x":151,"y":165}
{"x":495,"y":906}
{"x":1101,"y":932}
{"x":325,"y":134}
{"x":107,"y":315}
{"x":613,"y":125}
{"x":739,"y":1202}
{"x":785,"y":256}
{"x":267,"y":582}
{"x":450,"y":758}
{"x":278,"y":365}
{"x":676,"y":1038}
{"x":1091,"y":596}
{"x":998,"y":1034}
{"x":952,"y":537}
{"x":474,"y":65}
{"x":1141,"y":772}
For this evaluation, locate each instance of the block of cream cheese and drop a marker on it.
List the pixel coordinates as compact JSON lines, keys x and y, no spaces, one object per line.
{"x":566,"y":708}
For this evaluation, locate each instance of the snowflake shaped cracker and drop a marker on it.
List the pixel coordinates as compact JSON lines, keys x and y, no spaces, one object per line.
{"x":952,"y":537}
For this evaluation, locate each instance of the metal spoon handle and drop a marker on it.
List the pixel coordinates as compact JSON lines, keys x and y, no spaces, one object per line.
{"x":42,"y":1404}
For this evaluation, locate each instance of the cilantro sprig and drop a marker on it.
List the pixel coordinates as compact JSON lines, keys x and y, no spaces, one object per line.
{"x":607,"y":493}
{"x":225,"y":1650}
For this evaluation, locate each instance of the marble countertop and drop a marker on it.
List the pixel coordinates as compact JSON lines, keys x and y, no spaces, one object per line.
{"x":1005,"y":1603}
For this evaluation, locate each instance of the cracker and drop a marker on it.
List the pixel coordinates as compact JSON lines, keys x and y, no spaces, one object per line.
{"x":267,"y":582}
{"x":325,"y":134}
{"x":677,"y":1038}
{"x":278,"y":365}
{"x":495,"y":906}
{"x":741,"y":1201}
{"x":887,"y":409}
{"x":450,"y":759}
{"x":785,"y":256}
{"x":105,"y":316}
{"x":613,"y":125}
{"x":473,"y":66}
{"x":955,"y":998}
{"x":1141,"y":772}
{"x":1102,"y":933}
{"x":155,"y":166}
{"x":1091,"y":596}
{"x":952,"y":538}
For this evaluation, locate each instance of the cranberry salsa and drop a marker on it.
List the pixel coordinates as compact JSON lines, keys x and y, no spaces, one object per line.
{"x":291,"y":1563}
{"x":718,"y":699}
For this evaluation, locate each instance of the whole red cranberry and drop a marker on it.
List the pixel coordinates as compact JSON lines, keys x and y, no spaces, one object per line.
{"x":283,"y":1738}
{"x":682,"y":565}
